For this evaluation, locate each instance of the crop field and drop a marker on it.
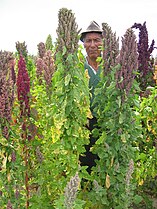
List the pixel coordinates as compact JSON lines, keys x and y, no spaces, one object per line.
{"x":44,"y":115}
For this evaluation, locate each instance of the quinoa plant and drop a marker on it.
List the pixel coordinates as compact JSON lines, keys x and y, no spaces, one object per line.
{"x":15,"y":149}
{"x":118,"y":130}
{"x":145,"y":77}
{"x":7,"y":82}
{"x":60,"y":120}
{"x":23,"y":94}
{"x":146,"y":165}
{"x":71,"y":96}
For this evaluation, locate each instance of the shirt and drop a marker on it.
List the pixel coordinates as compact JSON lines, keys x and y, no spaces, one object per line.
{"x":93,"y":80}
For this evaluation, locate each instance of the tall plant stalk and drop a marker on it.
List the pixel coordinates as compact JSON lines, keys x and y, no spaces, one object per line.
{"x":71,"y":96}
{"x":23,"y":90}
{"x":117,"y":130}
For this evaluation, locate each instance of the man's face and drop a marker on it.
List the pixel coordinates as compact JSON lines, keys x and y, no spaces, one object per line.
{"x":92,"y":44}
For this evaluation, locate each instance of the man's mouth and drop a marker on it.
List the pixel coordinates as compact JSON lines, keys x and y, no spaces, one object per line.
{"x":93,"y":52}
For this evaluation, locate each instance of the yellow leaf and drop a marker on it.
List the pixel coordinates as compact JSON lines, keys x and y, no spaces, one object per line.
{"x":9,"y":177}
{"x":4,"y":162}
{"x":89,"y":114}
{"x":56,"y":129}
{"x":141,"y":182}
{"x":107,"y":181}
{"x":112,"y":160}
{"x":123,"y":138}
{"x":87,"y":74}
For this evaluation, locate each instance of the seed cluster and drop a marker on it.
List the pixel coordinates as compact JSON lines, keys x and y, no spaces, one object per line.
{"x":48,"y":44}
{"x":41,"y":49}
{"x":128,"y":60}
{"x":23,"y":87}
{"x":39,"y":155}
{"x":7,"y":81}
{"x":71,"y":191}
{"x":22,"y":49}
{"x":45,"y":68}
{"x":9,"y":205}
{"x":145,"y":65}
{"x":48,"y":67}
{"x":110,"y":47}
{"x":68,"y":33}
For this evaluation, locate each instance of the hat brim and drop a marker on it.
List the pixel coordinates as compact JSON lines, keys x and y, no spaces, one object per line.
{"x":83,"y":34}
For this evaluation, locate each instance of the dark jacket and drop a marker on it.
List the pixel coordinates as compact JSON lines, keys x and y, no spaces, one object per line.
{"x":89,"y":158}
{"x":93,"y":80}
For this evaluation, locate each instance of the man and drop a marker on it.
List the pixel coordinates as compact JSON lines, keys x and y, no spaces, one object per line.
{"x":92,"y":40}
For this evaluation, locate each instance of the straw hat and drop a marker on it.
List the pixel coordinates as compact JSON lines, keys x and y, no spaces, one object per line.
{"x":93,"y":27}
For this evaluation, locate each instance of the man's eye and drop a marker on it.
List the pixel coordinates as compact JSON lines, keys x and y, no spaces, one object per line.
{"x":88,"y":41}
{"x":97,"y":40}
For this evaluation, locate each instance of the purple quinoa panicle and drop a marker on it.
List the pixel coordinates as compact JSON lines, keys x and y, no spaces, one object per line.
{"x":23,"y":87}
{"x":5,"y":106}
{"x":48,"y":67}
{"x":7,"y":81}
{"x":45,"y":68}
{"x":9,"y":205}
{"x":145,"y":68}
{"x":41,"y":49}
{"x":128,"y":60}
{"x":39,"y":69}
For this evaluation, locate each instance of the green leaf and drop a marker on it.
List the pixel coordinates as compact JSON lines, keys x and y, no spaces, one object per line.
{"x":102,"y":138}
{"x":79,"y":204}
{"x":67,"y":79}
{"x":124,"y":137}
{"x":76,"y":94}
{"x":121,"y":118}
{"x":118,"y":101}
{"x":142,"y":156}
{"x":99,"y":59}
{"x":137,"y":199}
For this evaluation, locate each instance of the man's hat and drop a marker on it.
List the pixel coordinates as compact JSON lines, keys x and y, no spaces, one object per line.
{"x":93,"y":27}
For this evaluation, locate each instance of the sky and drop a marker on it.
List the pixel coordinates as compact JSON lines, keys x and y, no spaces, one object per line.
{"x":33,"y":20}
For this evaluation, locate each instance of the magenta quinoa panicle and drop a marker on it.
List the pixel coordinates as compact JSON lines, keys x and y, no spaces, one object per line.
{"x":23,"y":87}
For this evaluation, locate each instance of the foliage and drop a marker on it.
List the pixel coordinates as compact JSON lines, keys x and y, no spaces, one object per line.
{"x":118,"y":130}
{"x":146,"y":169}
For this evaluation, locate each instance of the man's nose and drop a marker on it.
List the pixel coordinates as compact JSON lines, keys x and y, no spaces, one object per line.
{"x":92,"y":43}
